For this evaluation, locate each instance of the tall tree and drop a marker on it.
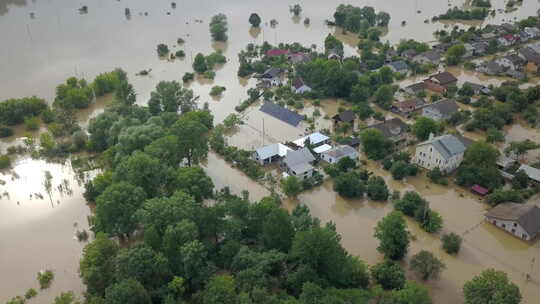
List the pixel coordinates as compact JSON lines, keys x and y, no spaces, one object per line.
{"x":170,"y":96}
{"x":127,"y":291}
{"x":277,"y":230}
{"x":393,"y":236}
{"x":375,"y":145}
{"x":254,"y":20}
{"x":97,"y":264}
{"x":193,"y":139}
{"x":426,"y":265}
{"x":221,"y":289}
{"x":491,"y":286}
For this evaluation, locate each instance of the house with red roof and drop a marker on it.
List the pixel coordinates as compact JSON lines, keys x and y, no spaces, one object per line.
{"x":277,"y":52}
{"x":508,"y":40}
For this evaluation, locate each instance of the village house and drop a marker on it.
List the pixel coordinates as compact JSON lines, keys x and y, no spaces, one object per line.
{"x":429,"y":57}
{"x":415,"y":88}
{"x":440,"y":110}
{"x":409,"y":54}
{"x":479,"y":48}
{"x":440,"y":82}
{"x":408,"y":106}
{"x":277,"y":52}
{"x":478,"y":89}
{"x":507,"y":40}
{"x":444,"y":152}
{"x":532,"y":172}
{"x":523,"y":36}
{"x":333,"y":155}
{"x":532,"y":58}
{"x":272,"y":75}
{"x":334,"y":54}
{"x":469,"y":50}
{"x":490,"y":68}
{"x":394,"y":129}
{"x":512,"y":61}
{"x":489,"y":36}
{"x":521,"y":220}
{"x":515,"y":74}
{"x":298,"y":163}
{"x":299,"y":86}
{"x":399,"y":66}
{"x":345,"y":117}
{"x":315,"y":139}
{"x":390,"y":55}
{"x":533,"y":32}
{"x":299,"y":58}
{"x":270,"y":153}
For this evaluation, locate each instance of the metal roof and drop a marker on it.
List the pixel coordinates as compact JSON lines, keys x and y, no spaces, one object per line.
{"x":399,"y":65}
{"x":526,"y":215}
{"x":272,"y":150}
{"x":282,"y":114}
{"x":447,"y":145}
{"x":314,"y":138}
{"x":341,"y":151}
{"x":445,"y":107}
{"x":299,"y":160}
{"x":531,"y":172}
{"x":322,"y":149}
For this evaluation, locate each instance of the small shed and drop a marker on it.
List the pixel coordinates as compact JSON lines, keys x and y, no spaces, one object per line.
{"x":479,"y":189}
{"x":345,"y":117}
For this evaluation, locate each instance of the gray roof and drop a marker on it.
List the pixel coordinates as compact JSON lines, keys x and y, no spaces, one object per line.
{"x":282,"y":114}
{"x":272,"y":150}
{"x":446,"y":106}
{"x":341,"y":151}
{"x":447,"y":145}
{"x":345,"y":116}
{"x":399,"y":65}
{"x":530,"y":55}
{"x":531,"y":172}
{"x":431,"y":55}
{"x":444,"y":78}
{"x":299,"y":160}
{"x":526,"y":215}
{"x":272,"y":72}
{"x":515,"y":59}
{"x":391,"y":128}
{"x":493,"y":67}
{"x":416,"y":87}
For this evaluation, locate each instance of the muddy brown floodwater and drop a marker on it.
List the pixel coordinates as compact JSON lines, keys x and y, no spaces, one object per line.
{"x":58,"y":42}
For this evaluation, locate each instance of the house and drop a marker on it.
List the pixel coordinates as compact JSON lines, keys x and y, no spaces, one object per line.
{"x":515,"y":74}
{"x":408,"y":106}
{"x":277,"y":52}
{"x":298,"y":163}
{"x":507,"y":40}
{"x":533,"y":32}
{"x":469,"y":50}
{"x":394,"y":129}
{"x":409,"y":54}
{"x":315,"y":139}
{"x":532,"y":172}
{"x":445,"y":152}
{"x":299,"y":86}
{"x":523,"y":36}
{"x":415,"y":88}
{"x":442,"y":47}
{"x":334,"y":54}
{"x":352,"y":141}
{"x":512,"y":61}
{"x":489,"y":36}
{"x":479,"y":48}
{"x":282,"y":113}
{"x":390,"y":55}
{"x":478,"y":89}
{"x":333,"y":155}
{"x":440,"y":82}
{"x":299,"y":58}
{"x":440,"y":110}
{"x":490,"y":68}
{"x":535,"y":47}
{"x":271,"y":153}
{"x":521,"y":220}
{"x":272,"y":75}
{"x":532,"y":58}
{"x":345,"y":117}
{"x":429,"y":57}
{"x":399,"y":66}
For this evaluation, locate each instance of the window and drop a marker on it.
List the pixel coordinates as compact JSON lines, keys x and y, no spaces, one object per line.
{"x":503,"y":225}
{"x":515,"y":224}
{"x":513,"y":231}
{"x":524,"y":236}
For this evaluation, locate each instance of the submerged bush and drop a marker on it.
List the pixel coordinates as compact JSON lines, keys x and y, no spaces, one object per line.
{"x":45,"y":278}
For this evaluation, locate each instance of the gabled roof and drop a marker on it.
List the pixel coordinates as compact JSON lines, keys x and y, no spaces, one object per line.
{"x":298,"y":82}
{"x":352,"y":141}
{"x":299,"y":160}
{"x":526,"y":215}
{"x":410,"y":104}
{"x":341,"y":151}
{"x":515,"y":59}
{"x":299,"y":58}
{"x":314,"y":138}
{"x":399,"y":65}
{"x":447,"y":145}
{"x":273,"y":72}
{"x":409,"y":53}
{"x":391,"y":128}
{"x":493,"y":67}
{"x":444,"y":77}
{"x":272,"y":150}
{"x":416,"y":87}
{"x":531,"y":172}
{"x":345,"y":116}
{"x":445,"y":106}
{"x":281,"y":113}
{"x":430,"y":55}
{"x":322,"y":148}
{"x":530,"y":55}
{"x":277,"y":52}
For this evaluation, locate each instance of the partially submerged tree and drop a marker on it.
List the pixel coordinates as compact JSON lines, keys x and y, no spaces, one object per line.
{"x":254,"y":20}
{"x":427,"y":265}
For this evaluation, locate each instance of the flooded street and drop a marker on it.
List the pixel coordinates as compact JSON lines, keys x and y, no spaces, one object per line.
{"x":59,"y":42}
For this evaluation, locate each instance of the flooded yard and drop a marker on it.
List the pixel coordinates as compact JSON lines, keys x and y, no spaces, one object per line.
{"x":58,"y":43}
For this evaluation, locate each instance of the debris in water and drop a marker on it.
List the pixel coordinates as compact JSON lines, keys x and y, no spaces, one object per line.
{"x":127,"y":11}
{"x":273,"y":23}
{"x":403,"y":23}
{"x":168,"y":13}
{"x":32,"y":15}
{"x":83,"y":9}
{"x":173,"y":5}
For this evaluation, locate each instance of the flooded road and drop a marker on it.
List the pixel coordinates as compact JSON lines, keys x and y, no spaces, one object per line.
{"x":59,"y":42}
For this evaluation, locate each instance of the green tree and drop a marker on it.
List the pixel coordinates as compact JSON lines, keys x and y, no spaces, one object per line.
{"x":399,"y":169}
{"x":143,"y":171}
{"x":291,"y":186}
{"x":451,"y":243}
{"x":393,"y":236}
{"x":482,"y":155}
{"x":376,"y":189}
{"x":162,"y":50}
{"x":426,"y":265}
{"x":219,"y":27}
{"x":331,"y":43}
{"x":221,"y":289}
{"x":193,"y":139}
{"x":195,"y":182}
{"x":412,"y":293}
{"x":254,"y":20}
{"x":194,"y":257}
{"x":116,"y":207}
{"x":66,"y":298}
{"x":143,"y":264}
{"x":491,"y":286}
{"x":127,"y":291}
{"x":455,"y":53}
{"x":199,"y":64}
{"x":97,"y":264}
{"x":277,"y":230}
{"x":388,"y":274}
{"x":384,"y":96}
{"x":345,"y":164}
{"x":170,"y":96}
{"x":424,"y":126}
{"x":166,"y":149}
{"x":374,"y":144}
{"x":349,"y":185}
{"x":295,"y":9}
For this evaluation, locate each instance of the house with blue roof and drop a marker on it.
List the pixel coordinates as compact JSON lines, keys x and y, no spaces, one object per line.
{"x":445,"y":152}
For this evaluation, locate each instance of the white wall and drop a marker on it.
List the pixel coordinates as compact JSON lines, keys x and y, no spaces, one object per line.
{"x":511,"y":227}
{"x":428,"y":157}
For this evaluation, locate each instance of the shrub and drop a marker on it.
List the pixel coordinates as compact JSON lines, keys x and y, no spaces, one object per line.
{"x":180,"y":54}
{"x":376,"y":189}
{"x":389,"y":275}
{"x":5,"y":162}
{"x":162,"y":50}
{"x":291,"y":186}
{"x":14,"y":111}
{"x":217,"y":90}
{"x":30,"y":293}
{"x":451,"y":243}
{"x":349,"y":185}
{"x":5,"y":132}
{"x":188,"y":77}
{"x":45,"y":278}
{"x":31,"y":123}
{"x":427,"y":265}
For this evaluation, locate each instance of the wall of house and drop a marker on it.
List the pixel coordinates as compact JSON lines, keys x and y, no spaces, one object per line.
{"x":531,"y":67}
{"x":511,"y":227}
{"x":300,"y":175}
{"x":428,"y":157}
{"x":432,"y":113}
{"x":333,"y":160}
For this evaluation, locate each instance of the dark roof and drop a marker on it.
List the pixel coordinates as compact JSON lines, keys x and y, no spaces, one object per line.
{"x":391,"y":128}
{"x":272,"y":72}
{"x":399,"y":65}
{"x":493,"y":67}
{"x":410,"y":104}
{"x":530,"y":55}
{"x":445,"y":106}
{"x":526,"y":215}
{"x":281,"y":113}
{"x":444,"y":77}
{"x":345,"y":116}
{"x":431,"y":55}
{"x":299,"y":58}
{"x":515,"y":59}
{"x":409,"y":53}
{"x":416,"y":87}
{"x":298,"y":82}
{"x":352,"y":141}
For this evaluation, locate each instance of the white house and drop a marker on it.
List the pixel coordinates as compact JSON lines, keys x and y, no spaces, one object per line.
{"x":335,"y":154}
{"x":298,"y":163}
{"x":315,"y":139}
{"x":521,"y":220}
{"x":271,"y":153}
{"x":445,"y":152}
{"x":299,"y":86}
{"x":440,"y":110}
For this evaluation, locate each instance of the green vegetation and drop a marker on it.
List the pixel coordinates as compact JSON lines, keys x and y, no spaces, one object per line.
{"x":437,"y":177}
{"x":170,"y":96}
{"x":199,"y":64}
{"x":295,"y":9}
{"x":456,"y":13}
{"x":393,"y":236}
{"x":31,"y":123}
{"x":219,"y":27}
{"x":480,"y":167}
{"x":217,"y":90}
{"x":359,"y":20}
{"x":30,"y":293}
{"x":291,"y":186}
{"x":349,"y":185}
{"x":45,"y":279}
{"x":5,"y":132}
{"x":504,"y":196}
{"x":481,"y":3}
{"x":254,"y":20}
{"x":455,"y":54}
{"x":180,"y":54}
{"x":389,"y":275}
{"x":424,"y":126}
{"x":15,"y":111}
{"x":376,"y":189}
{"x":426,"y":265}
{"x":374,"y":144}
{"x":188,"y":77}
{"x":66,"y":298}
{"x":451,"y":243}
{"x":413,"y":205}
{"x":491,"y":286}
